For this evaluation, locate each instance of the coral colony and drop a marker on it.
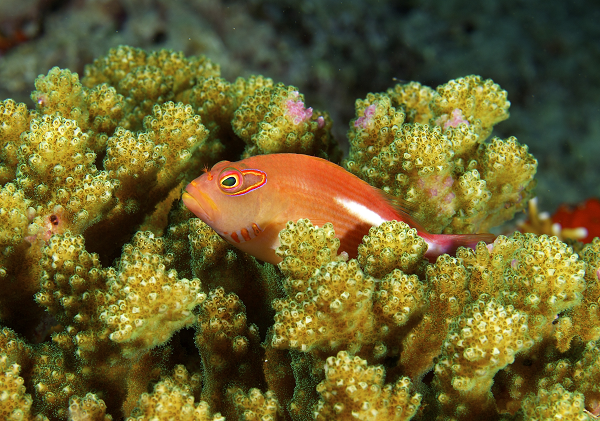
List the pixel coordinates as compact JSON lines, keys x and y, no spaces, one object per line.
{"x":117,"y":303}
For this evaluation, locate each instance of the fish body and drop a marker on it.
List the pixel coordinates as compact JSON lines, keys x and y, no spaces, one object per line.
{"x":250,"y":201}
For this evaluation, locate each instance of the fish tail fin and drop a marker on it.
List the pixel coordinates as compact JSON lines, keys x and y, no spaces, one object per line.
{"x":448,"y":243}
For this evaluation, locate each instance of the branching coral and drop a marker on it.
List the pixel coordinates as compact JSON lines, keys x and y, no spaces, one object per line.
{"x":584,"y":320}
{"x":480,"y":342}
{"x":57,"y":168}
{"x":13,"y":220}
{"x":146,"y":302}
{"x":88,"y":408}
{"x":228,"y":346}
{"x":556,"y":403}
{"x":274,"y":119}
{"x":173,"y":399}
{"x":15,"y":403}
{"x":352,"y":390}
{"x":142,"y":312}
{"x":427,"y":148}
{"x":15,"y":120}
{"x":257,"y":406}
{"x":332,"y":310}
{"x":391,"y":245}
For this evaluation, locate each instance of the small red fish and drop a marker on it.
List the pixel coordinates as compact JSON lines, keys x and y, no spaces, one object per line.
{"x":250,"y":201}
{"x":582,"y":220}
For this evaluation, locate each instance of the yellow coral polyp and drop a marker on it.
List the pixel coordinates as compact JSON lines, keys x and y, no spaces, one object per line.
{"x":352,"y":389}
{"x":273,"y":119}
{"x":391,"y":245}
{"x":120,"y":271}
{"x":145,"y":297}
{"x":396,"y":145}
{"x":556,"y":403}
{"x":336,"y":288}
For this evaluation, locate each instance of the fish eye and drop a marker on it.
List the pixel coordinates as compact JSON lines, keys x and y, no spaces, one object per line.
{"x":237,"y":182}
{"x":230,"y":179}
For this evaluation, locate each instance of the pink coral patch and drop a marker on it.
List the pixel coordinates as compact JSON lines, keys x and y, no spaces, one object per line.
{"x":449,"y":197}
{"x":453,"y":120}
{"x":367,"y":117}
{"x":321,"y":121}
{"x":296,"y":111}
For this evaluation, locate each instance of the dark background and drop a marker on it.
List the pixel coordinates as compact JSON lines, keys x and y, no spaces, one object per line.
{"x":545,"y":54}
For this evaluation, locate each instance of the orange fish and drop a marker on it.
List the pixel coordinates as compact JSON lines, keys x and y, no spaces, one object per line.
{"x":250,"y":201}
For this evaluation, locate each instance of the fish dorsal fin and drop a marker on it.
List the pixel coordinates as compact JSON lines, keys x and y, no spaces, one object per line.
{"x":405,"y":209}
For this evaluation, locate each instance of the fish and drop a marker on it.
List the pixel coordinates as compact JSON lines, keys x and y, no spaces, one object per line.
{"x":249,"y":202}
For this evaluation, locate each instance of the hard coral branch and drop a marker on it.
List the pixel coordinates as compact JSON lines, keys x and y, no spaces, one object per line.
{"x":105,"y":319}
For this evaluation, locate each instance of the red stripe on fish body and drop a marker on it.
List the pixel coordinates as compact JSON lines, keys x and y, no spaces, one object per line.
{"x":267,"y":191}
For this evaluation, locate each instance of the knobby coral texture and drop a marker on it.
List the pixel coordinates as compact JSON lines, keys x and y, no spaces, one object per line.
{"x":117,"y":303}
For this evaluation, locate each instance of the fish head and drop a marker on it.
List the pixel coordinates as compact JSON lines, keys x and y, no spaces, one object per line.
{"x":227,"y":197}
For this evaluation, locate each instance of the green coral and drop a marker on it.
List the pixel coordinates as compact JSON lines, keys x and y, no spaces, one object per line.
{"x":428,"y":148}
{"x":352,"y":389}
{"x":146,"y":302}
{"x":273,"y":119}
{"x":468,"y":318}
{"x":144,"y":305}
{"x":391,"y":245}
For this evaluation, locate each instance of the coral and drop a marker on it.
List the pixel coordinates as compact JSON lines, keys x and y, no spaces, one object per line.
{"x":146,"y":79}
{"x":257,"y":406}
{"x":556,"y":403}
{"x":88,"y":408}
{"x":576,"y":223}
{"x":16,"y":404}
{"x":13,"y":216}
{"x":482,"y":341}
{"x":72,"y":290}
{"x":337,"y":305}
{"x":416,"y":97}
{"x":57,"y":167}
{"x":117,"y":303}
{"x":60,"y":91}
{"x":354,"y":390}
{"x":53,"y":381}
{"x":304,"y":248}
{"x":332,"y":309}
{"x":584,"y":320}
{"x":223,"y":338}
{"x":446,"y":296}
{"x":482,"y":102}
{"x":68,"y":275}
{"x":274,"y":119}
{"x":15,"y":120}
{"x":173,"y":399}
{"x":149,"y":164}
{"x":539,"y":275}
{"x":146,"y":302}
{"x":209,"y":251}
{"x":428,"y":148}
{"x":398,"y":298}
{"x":391,"y":245}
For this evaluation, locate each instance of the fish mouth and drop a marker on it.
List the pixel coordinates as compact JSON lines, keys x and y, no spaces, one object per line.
{"x":196,"y":207}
